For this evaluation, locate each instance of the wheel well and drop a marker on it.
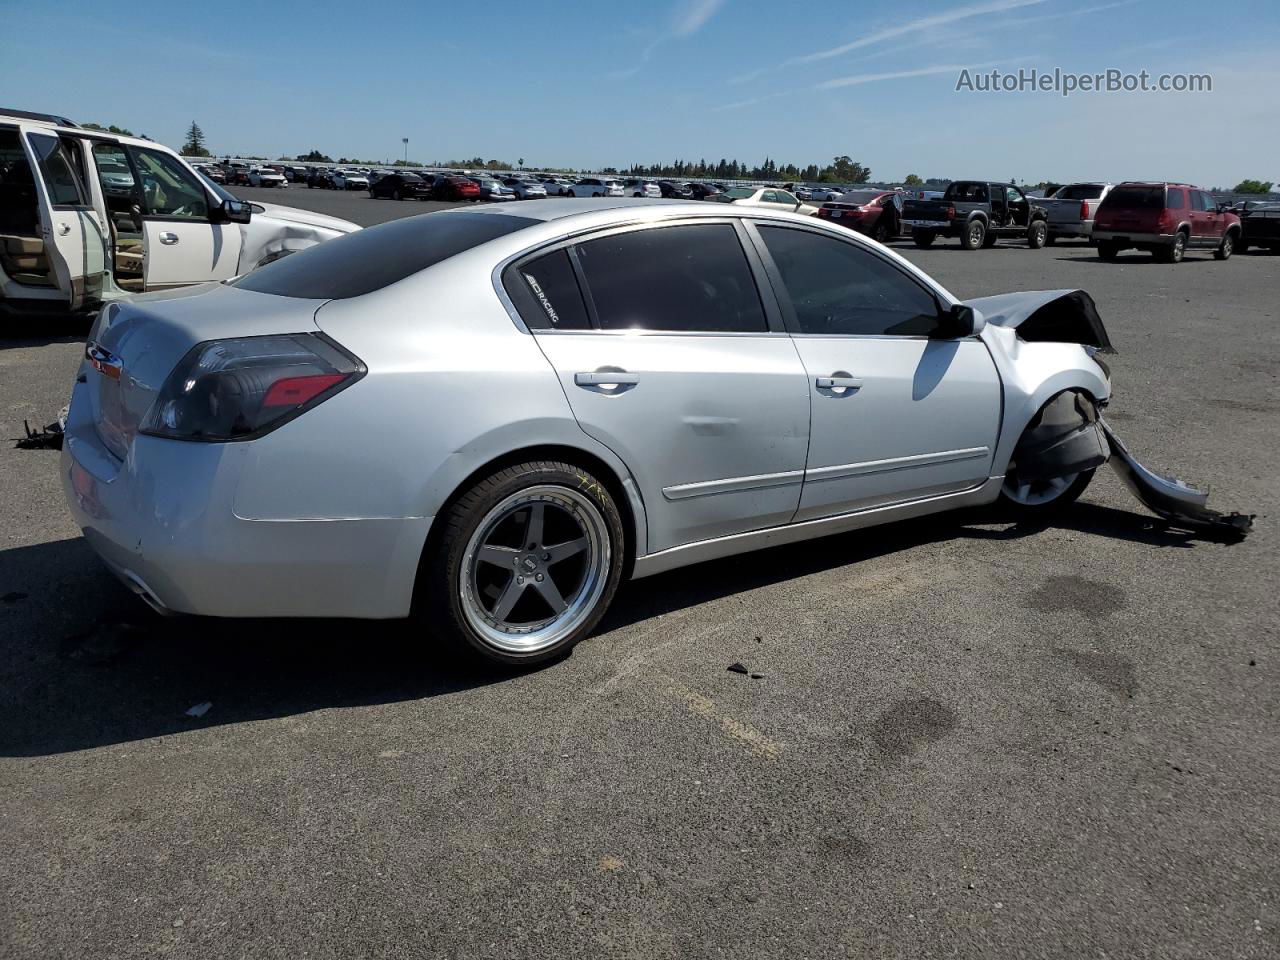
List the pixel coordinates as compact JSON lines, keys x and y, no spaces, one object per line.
{"x":574,"y":455}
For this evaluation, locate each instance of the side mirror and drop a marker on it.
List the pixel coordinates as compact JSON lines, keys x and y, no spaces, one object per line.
{"x":960,"y":321}
{"x":232,"y":211}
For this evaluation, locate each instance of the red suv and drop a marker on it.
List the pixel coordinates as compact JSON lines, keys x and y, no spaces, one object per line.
{"x":1165,"y":219}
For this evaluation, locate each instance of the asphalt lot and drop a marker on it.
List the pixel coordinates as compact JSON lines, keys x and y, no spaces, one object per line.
{"x":970,"y":739}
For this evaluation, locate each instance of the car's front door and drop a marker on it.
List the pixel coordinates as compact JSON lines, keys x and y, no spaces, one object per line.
{"x":73,"y":239}
{"x":668,"y":357}
{"x":898,"y":414}
{"x":182,"y":243}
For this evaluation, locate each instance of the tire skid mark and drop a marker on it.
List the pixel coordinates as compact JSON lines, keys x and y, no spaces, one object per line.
{"x":744,"y":734}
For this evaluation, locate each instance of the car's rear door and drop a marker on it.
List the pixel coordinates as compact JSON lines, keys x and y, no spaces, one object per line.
{"x":74,"y":244}
{"x":670,"y":358}
{"x":182,"y":243}
{"x":897,"y":415}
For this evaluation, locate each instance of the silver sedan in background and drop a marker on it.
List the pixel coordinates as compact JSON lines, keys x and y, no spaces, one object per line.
{"x":486,"y":419}
{"x":526,"y":189}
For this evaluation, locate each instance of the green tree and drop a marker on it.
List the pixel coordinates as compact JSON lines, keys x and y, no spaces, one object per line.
{"x":194,"y":147}
{"x":111,"y":129}
{"x":315,"y":156}
{"x":912,"y":181}
{"x":1253,"y":186}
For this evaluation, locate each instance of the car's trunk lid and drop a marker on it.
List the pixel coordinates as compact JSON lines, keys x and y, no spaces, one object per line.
{"x":135,"y":345}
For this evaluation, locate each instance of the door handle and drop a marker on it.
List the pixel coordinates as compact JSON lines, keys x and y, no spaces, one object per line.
{"x":168,"y":237}
{"x":606,"y":378}
{"x":838,"y":381}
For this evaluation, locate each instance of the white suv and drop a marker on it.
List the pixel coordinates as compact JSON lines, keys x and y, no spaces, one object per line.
{"x":594,"y":187}
{"x":87,"y":217}
{"x":266,"y":177}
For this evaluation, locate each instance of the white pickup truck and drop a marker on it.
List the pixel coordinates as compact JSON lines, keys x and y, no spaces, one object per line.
{"x":87,"y":217}
{"x":1071,"y":209}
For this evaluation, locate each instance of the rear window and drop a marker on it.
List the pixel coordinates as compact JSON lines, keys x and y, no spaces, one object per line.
{"x":967,"y":192}
{"x":1080,"y":191}
{"x":371,"y":259}
{"x":1136,"y":198}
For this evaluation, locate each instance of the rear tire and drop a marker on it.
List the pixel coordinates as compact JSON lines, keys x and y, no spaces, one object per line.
{"x":975,"y":232}
{"x":563,"y":533}
{"x":1175,"y":251}
{"x":1226,"y":248}
{"x":923,"y":238}
{"x":880,"y":233}
{"x":1108,"y":251}
{"x":1037,"y":234}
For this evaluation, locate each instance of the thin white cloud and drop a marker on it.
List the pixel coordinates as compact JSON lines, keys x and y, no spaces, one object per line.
{"x":1079,"y":11}
{"x":860,"y":78}
{"x":686,"y":20}
{"x":693,"y":15}
{"x":914,"y":26}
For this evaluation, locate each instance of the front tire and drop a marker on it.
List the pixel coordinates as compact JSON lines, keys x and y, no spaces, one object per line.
{"x":1041,"y":498}
{"x":1226,"y":248}
{"x":527,"y":563}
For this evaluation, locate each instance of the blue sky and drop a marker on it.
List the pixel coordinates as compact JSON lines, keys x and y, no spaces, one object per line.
{"x":561,"y":85}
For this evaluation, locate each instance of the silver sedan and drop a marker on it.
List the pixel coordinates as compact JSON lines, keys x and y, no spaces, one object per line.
{"x":486,"y":419}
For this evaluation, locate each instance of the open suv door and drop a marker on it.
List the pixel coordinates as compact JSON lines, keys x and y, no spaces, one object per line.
{"x":52,"y":243}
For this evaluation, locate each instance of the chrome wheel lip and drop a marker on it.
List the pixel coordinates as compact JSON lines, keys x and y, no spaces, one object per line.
{"x":1039,"y":492}
{"x":534,"y":638}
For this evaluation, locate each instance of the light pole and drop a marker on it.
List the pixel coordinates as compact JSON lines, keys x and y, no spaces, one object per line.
{"x":405,"y":141}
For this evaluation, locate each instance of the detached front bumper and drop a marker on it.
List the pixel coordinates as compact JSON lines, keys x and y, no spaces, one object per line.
{"x":1170,"y":498}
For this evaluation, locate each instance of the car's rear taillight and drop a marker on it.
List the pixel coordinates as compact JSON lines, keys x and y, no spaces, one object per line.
{"x":1163,"y":221}
{"x":241,"y":389}
{"x":1084,"y":209}
{"x":951,"y":213}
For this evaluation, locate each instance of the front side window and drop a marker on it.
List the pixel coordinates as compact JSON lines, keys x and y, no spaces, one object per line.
{"x":168,"y":187}
{"x":838,"y":289}
{"x":692,"y":278}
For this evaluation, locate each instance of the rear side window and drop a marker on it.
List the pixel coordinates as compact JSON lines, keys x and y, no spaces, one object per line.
{"x":1080,"y":191}
{"x":838,"y":289}
{"x":1136,"y":198}
{"x":1177,"y":199}
{"x":1197,"y":200}
{"x":60,"y":177}
{"x":368,"y":260}
{"x":545,"y":292}
{"x":691,"y":278}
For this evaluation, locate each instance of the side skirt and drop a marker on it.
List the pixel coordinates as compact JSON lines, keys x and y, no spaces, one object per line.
{"x":689,"y":553}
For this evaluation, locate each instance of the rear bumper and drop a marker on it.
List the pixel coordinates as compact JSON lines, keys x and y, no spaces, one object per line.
{"x":1076,"y":228}
{"x":1133,"y":238}
{"x":164,"y":522}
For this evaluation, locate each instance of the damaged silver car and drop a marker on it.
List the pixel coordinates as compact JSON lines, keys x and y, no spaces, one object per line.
{"x":486,"y":419}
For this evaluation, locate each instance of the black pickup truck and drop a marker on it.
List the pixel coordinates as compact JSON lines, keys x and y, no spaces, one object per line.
{"x":1259,"y":225}
{"x":979,"y":212}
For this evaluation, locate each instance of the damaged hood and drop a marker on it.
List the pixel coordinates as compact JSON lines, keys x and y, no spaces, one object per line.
{"x":1047,"y":316}
{"x":295,"y":215}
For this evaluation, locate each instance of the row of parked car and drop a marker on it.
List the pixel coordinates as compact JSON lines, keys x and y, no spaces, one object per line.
{"x":1163,"y":218}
